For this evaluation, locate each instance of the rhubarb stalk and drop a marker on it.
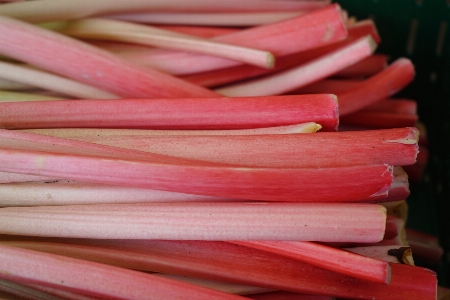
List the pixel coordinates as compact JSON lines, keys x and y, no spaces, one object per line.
{"x":93,"y":279}
{"x":183,"y":113}
{"x":329,"y":258}
{"x":111,"y":30}
{"x":359,"y":223}
{"x":302,"y":75}
{"x":82,"y":62}
{"x":323,"y":149}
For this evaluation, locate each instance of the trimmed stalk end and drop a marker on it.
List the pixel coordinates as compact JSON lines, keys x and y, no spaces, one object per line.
{"x":270,"y":60}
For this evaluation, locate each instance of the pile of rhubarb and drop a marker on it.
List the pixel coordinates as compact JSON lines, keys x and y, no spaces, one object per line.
{"x":190,"y":150}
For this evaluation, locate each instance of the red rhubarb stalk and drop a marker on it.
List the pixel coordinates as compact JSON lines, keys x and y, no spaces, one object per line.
{"x":183,"y":113}
{"x":327,"y":257}
{"x":303,"y":75}
{"x":399,"y":189}
{"x":243,"y":265}
{"x":79,"y":61}
{"x":93,"y":279}
{"x":400,"y":106}
{"x":332,"y":86}
{"x":358,"y":223}
{"x":111,"y":30}
{"x":382,"y":120}
{"x":226,"y":287}
{"x":378,"y":87}
{"x":52,"y":10}
{"x":367,"y":67}
{"x":281,"y":295}
{"x":39,"y":155}
{"x":306,"y":32}
{"x":323,"y":149}
{"x":53,"y":191}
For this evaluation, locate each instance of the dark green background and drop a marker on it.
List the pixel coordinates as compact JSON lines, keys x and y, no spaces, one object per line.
{"x":413,"y":29}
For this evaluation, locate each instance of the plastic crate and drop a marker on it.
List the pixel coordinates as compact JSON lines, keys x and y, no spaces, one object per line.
{"x":420,"y":30}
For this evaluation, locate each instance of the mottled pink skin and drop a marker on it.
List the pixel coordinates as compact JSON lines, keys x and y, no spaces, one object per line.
{"x":370,"y":182}
{"x":94,"y":279}
{"x":329,"y":258}
{"x":329,"y":222}
{"x":322,"y":149}
{"x":378,"y":87}
{"x":61,"y":158}
{"x":82,"y":62}
{"x":234,"y":263}
{"x":309,"y":31}
{"x":181,"y":113}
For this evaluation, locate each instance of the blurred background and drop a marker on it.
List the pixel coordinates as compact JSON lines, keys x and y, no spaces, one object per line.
{"x":419,"y":30}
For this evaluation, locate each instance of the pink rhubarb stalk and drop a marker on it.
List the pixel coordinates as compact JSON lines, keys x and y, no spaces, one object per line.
{"x":183,"y":113}
{"x":82,"y":62}
{"x":22,"y":192}
{"x":306,"y":32}
{"x":232,"y":74}
{"x":320,"y":150}
{"x":327,"y":257}
{"x":67,"y":192}
{"x":234,"y":263}
{"x":358,"y":223}
{"x":73,"y":133}
{"x":111,"y":30}
{"x":303,"y":75}
{"x":378,"y":87}
{"x":237,"y":19}
{"x":200,"y":31}
{"x":94,"y":279}
{"x":39,"y":155}
{"x":53,"y":10}
{"x":51,"y":82}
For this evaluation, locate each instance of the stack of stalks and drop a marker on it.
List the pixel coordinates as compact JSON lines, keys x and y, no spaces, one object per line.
{"x":190,"y":150}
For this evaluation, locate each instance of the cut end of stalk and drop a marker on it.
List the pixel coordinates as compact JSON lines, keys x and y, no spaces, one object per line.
{"x":403,"y":254}
{"x":270,"y":60}
{"x":384,"y":191}
{"x":372,"y":44}
{"x":388,"y":274}
{"x":336,"y":110}
{"x":411,"y":139}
